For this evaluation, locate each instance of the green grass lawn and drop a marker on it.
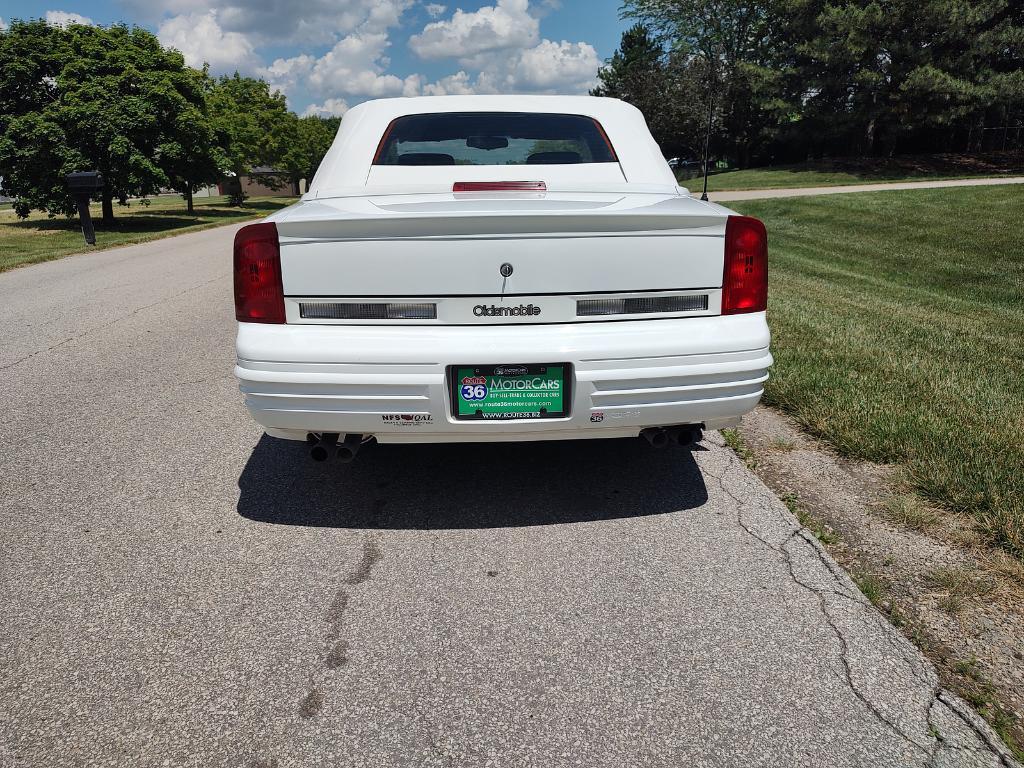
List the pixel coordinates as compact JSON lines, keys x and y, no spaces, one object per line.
{"x":839,"y":172}
{"x":898,"y":334}
{"x":38,"y":238}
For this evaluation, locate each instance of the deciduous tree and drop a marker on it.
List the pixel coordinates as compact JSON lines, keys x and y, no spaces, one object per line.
{"x":311,"y":137}
{"x":723,"y":49}
{"x":669,"y":87}
{"x":254,"y":121}
{"x":192,"y":154}
{"x":799,"y":78}
{"x":82,"y":97}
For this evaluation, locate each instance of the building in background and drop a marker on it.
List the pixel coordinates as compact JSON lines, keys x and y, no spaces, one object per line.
{"x":262,"y":181}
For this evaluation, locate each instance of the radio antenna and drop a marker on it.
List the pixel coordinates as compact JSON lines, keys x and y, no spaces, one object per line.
{"x":707,"y":136}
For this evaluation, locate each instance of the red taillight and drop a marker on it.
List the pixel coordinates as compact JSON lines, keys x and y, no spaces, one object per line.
{"x":745,"y":282}
{"x":259,"y":297}
{"x":499,"y":186}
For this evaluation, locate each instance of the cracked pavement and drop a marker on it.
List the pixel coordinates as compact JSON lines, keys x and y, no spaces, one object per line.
{"x":179,"y":590}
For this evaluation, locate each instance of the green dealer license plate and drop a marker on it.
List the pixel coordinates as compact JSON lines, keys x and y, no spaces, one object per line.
{"x":494,"y":392}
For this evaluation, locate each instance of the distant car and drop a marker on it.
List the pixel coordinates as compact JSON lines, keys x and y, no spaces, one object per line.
{"x":496,"y":268}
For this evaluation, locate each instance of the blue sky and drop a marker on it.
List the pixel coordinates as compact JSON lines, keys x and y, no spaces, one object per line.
{"x":328,"y":55}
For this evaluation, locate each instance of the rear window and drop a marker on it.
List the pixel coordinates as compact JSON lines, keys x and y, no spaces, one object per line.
{"x":494,"y":138}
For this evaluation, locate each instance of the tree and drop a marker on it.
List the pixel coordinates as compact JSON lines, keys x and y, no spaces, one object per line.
{"x":911,"y":75}
{"x":34,"y":154}
{"x":192,"y":154}
{"x":799,"y":78}
{"x":732,"y":46}
{"x":670,"y":89}
{"x":85,"y":97}
{"x":636,"y":73}
{"x":256,"y":123}
{"x":311,"y":138}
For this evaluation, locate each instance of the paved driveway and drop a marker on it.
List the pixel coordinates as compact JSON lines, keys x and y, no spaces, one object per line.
{"x":178,"y":590}
{"x":758,"y":194}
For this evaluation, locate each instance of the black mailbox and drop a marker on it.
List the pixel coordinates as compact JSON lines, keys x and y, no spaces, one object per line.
{"x":83,"y":184}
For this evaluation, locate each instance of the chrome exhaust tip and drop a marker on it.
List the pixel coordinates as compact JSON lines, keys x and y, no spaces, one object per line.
{"x":688,"y":435}
{"x":656,"y":436}
{"x":322,"y":448}
{"x":349,"y":447}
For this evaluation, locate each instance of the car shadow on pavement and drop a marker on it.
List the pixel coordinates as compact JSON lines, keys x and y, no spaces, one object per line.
{"x":493,"y":485}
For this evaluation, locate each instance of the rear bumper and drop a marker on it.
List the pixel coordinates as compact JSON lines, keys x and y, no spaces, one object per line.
{"x":391,"y":382}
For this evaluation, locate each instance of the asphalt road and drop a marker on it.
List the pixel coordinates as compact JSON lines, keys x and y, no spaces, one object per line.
{"x":178,"y":590}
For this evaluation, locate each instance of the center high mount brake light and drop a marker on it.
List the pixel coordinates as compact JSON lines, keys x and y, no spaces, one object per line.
{"x":499,"y":186}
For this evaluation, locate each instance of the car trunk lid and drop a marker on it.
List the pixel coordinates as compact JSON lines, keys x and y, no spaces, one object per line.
{"x":501,"y":244}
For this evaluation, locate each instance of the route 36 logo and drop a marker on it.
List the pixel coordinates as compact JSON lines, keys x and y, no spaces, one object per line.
{"x":474,"y":388}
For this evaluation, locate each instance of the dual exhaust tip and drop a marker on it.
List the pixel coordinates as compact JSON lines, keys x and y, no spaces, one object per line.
{"x":659,"y":437}
{"x":323,"y":447}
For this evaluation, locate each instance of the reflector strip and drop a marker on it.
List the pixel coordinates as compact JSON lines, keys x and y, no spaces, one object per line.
{"x":641,"y":305}
{"x":329,"y":310}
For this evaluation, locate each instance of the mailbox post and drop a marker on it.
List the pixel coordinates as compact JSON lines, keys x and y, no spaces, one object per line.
{"x":83,"y":185}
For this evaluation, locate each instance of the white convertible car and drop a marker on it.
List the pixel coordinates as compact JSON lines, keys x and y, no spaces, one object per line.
{"x":490,"y":268}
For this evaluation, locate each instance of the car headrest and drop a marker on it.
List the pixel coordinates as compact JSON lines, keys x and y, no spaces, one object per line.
{"x":553,"y":158}
{"x":425,"y":158}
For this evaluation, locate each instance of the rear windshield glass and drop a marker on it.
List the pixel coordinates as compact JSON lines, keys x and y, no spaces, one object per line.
{"x":493,"y":138}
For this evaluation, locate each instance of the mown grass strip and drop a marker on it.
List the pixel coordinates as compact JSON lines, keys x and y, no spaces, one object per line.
{"x":842,"y":172}
{"x":39,"y":238}
{"x":898,"y":334}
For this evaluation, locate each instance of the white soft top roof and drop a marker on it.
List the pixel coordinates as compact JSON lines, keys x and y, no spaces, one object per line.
{"x":347,"y":164}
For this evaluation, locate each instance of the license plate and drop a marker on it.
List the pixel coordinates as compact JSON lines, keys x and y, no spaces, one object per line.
{"x":498,"y":392}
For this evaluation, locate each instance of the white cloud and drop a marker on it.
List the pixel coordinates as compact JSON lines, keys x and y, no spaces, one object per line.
{"x":554,"y":66}
{"x":3,"y":24}
{"x":200,"y":38}
{"x":548,"y":67}
{"x":311,"y":23}
{"x":230,"y":34}
{"x":501,"y":43}
{"x":356,"y":66}
{"x":498,"y":48}
{"x":466,"y":36}
{"x":384,"y":14}
{"x":453,"y":85}
{"x":330,"y":108}
{"x":412,"y":85}
{"x":544,"y":7}
{"x":285,"y":74}
{"x":63,"y":18}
